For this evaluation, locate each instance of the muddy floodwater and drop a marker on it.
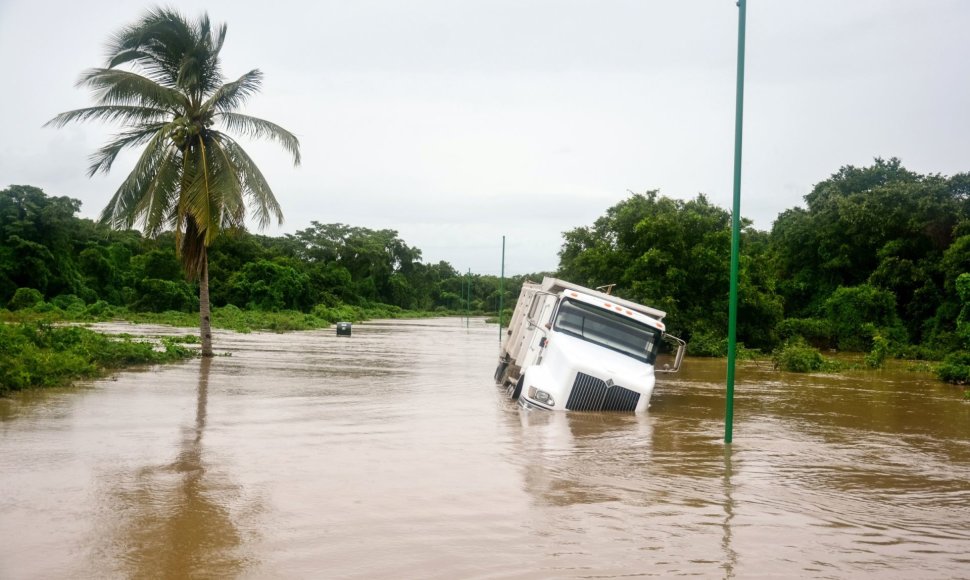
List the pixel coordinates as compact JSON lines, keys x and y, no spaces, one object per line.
{"x":391,"y":454}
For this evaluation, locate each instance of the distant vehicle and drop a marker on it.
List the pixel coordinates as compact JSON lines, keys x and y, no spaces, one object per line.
{"x":576,"y":349}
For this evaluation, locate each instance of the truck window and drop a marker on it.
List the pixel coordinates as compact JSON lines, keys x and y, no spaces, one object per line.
{"x":608,"y":329}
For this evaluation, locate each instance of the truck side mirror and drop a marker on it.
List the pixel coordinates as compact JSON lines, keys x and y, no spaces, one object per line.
{"x":681,"y":347}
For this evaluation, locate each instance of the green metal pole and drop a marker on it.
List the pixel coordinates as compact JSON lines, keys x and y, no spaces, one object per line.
{"x":468,"y":304}
{"x":501,"y":293}
{"x":735,"y":232}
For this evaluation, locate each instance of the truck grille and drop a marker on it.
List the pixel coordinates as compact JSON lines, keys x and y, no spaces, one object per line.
{"x":592,"y":394}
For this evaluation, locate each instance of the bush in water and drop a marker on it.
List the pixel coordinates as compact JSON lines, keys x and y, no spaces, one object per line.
{"x":955,"y":368}
{"x":798,"y":357}
{"x":41,"y":355}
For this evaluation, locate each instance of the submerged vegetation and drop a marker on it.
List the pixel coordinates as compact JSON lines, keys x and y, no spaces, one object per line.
{"x":42,"y":355}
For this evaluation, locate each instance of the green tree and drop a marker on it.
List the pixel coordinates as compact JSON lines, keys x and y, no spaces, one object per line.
{"x":191,"y":177}
{"x":273,"y":286}
{"x":675,"y":255}
{"x":39,"y":240}
{"x":881,"y":225}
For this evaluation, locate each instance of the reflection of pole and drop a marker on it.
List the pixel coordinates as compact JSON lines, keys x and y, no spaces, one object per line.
{"x":735,"y":233}
{"x":731,"y":557}
{"x":501,"y":292}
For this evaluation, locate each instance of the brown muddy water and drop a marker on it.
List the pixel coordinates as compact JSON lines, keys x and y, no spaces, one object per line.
{"x":391,"y":454}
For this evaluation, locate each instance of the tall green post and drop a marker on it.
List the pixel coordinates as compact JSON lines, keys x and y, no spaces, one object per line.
{"x":468,"y":303}
{"x":735,"y":232}
{"x":501,"y":293}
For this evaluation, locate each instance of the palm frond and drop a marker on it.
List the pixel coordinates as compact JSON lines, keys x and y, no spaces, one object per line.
{"x":194,"y":200}
{"x":263,"y":203}
{"x":157,"y":42}
{"x":127,"y":205}
{"x":161,"y":196}
{"x":105,"y":157}
{"x":121,"y":87}
{"x":262,"y":129}
{"x":231,"y":96}
{"x":228,"y":180}
{"x":110,"y":113}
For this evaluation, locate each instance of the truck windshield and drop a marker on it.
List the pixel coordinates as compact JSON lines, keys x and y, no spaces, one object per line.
{"x":608,"y":329}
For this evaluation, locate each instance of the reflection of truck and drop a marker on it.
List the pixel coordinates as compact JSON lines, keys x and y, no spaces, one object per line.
{"x":572,"y":348}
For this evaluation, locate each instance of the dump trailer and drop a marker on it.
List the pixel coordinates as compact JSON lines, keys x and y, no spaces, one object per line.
{"x":572,"y":348}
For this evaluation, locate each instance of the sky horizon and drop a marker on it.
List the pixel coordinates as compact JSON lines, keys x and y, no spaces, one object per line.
{"x":458,"y":123}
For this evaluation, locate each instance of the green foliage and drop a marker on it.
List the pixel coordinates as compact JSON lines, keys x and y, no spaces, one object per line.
{"x":69,"y":304}
{"x":272,"y":286}
{"x":674,"y":255}
{"x":798,"y":357}
{"x":955,"y":368}
{"x":342,"y":313}
{"x":875,"y":358}
{"x":817,"y":332}
{"x":160,"y":295}
{"x":855,"y":313}
{"x":25,"y":298}
{"x":707,"y":344}
{"x":40,"y":355}
{"x":877,"y":261}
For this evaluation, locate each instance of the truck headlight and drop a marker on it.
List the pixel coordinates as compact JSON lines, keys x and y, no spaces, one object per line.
{"x":541,"y":396}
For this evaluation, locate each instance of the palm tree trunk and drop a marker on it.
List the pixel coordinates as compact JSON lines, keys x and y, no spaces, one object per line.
{"x":205,"y":325}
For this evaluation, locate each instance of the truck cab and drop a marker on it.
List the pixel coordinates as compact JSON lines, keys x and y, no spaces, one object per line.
{"x":577,"y":349}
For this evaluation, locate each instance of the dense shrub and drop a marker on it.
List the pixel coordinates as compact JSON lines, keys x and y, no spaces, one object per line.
{"x":955,"y":368}
{"x":266,"y":285}
{"x":856,"y":312}
{"x":99,"y":309}
{"x":708,"y":344}
{"x":25,"y":298}
{"x":69,"y":303}
{"x":342,"y":313}
{"x":157,"y":295}
{"x":817,"y":332}
{"x":798,"y":357}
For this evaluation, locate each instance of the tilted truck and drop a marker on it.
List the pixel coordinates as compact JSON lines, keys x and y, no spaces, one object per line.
{"x":573,"y":348}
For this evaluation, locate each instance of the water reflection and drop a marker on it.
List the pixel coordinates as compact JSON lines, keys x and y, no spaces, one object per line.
{"x":580,"y":458}
{"x":730,"y":555}
{"x":172,"y":520}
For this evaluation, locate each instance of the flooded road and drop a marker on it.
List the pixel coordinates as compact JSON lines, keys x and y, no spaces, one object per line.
{"x":391,"y":454}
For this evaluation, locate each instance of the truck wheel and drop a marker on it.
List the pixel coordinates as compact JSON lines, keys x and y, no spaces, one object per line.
{"x":500,"y":371}
{"x":515,"y":391}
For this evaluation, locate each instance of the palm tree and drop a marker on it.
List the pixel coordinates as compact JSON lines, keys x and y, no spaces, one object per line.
{"x":191,"y":177}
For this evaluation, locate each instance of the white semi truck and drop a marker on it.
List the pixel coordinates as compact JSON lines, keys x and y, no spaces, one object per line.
{"x":573,"y":348}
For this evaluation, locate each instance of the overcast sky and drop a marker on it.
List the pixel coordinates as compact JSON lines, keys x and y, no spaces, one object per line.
{"x":455,"y":122}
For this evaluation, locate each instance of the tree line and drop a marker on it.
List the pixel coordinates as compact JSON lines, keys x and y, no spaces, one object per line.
{"x":48,"y":253}
{"x":879,"y":256}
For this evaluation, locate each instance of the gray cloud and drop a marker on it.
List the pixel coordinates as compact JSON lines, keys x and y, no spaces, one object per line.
{"x":457,"y":122}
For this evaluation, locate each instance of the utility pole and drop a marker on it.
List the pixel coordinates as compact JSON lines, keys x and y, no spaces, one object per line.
{"x":501,"y":293}
{"x":735,"y":233}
